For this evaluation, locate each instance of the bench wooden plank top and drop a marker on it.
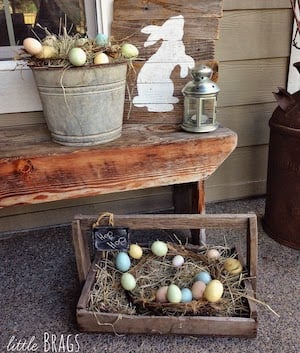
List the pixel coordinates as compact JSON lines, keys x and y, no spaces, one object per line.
{"x":33,"y":169}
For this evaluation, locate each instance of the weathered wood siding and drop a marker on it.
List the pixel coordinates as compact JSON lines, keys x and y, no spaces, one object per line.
{"x":253,"y":52}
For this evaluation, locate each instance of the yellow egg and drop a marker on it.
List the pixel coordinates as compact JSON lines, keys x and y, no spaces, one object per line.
{"x":198,"y":289}
{"x":101,"y":58}
{"x":161,"y":294}
{"x":32,"y":46}
{"x":213,"y":291}
{"x":128,"y":282}
{"x":174,"y":294}
{"x":233,"y":266}
{"x":135,"y":251}
{"x":159,"y":248}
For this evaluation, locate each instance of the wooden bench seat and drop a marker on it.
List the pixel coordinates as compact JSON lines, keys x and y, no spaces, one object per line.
{"x":34,"y":170}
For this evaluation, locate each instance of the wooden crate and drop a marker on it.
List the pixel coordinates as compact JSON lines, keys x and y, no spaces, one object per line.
{"x":89,"y":321}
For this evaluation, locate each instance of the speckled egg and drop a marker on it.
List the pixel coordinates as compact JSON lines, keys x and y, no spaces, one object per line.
{"x":101,"y":39}
{"x":122,"y":261}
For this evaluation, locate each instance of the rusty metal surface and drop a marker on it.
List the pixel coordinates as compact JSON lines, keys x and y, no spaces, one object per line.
{"x":282,"y":211}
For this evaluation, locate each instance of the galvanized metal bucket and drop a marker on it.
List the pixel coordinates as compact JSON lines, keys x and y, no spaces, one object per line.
{"x":83,"y":106}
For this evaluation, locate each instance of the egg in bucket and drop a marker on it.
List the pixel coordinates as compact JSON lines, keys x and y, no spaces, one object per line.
{"x":200,"y":101}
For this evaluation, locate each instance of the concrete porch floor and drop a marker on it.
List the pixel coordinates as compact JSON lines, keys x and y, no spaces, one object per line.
{"x":39,"y":291}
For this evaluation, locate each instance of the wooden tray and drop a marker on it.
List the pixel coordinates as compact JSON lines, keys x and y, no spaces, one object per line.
{"x":89,"y":321}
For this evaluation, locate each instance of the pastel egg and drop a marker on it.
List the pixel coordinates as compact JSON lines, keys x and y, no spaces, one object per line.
{"x":128,"y":281}
{"x":174,"y":294}
{"x":213,"y":291}
{"x":177,"y":261}
{"x":161,"y":294}
{"x":122,"y":261}
{"x":101,"y":39}
{"x":213,"y":254}
{"x":101,"y":58}
{"x":233,"y":266}
{"x":32,"y":46}
{"x":129,"y":51}
{"x":159,"y":248}
{"x":77,"y":56}
{"x":135,"y":251}
{"x":186,"y":295}
{"x":203,"y":276}
{"x":198,"y":289}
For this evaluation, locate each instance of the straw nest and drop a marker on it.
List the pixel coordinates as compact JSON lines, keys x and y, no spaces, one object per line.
{"x":152,"y":272}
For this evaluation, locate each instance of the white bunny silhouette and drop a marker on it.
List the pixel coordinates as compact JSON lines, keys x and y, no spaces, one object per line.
{"x":154,"y":77}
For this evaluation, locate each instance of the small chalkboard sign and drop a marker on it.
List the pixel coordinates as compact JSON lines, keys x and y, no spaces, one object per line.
{"x":110,"y":238}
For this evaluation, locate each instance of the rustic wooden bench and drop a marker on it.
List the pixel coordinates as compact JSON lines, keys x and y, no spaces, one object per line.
{"x":34,"y":170}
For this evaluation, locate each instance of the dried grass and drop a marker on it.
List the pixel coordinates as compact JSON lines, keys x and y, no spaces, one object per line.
{"x":152,"y":272}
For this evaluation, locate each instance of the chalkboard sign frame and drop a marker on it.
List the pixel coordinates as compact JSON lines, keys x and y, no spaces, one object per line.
{"x":109,"y":238}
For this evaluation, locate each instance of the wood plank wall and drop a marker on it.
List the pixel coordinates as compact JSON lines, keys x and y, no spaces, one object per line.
{"x":253,"y":51}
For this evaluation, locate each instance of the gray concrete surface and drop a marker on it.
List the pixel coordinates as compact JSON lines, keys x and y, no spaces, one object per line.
{"x":39,"y":291}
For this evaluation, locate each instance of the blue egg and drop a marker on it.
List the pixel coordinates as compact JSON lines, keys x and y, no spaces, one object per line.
{"x":122,"y":261}
{"x":203,"y":276}
{"x":101,"y":39}
{"x":187,"y":295}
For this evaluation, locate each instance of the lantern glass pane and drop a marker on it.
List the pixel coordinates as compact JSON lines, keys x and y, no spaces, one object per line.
{"x":208,"y":110}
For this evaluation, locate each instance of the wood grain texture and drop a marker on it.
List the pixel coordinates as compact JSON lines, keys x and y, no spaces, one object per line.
{"x":153,"y":9}
{"x":35,"y":170}
{"x":171,"y":38}
{"x":191,"y":325}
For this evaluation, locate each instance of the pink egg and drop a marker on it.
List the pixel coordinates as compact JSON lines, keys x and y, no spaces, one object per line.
{"x":198,"y":289}
{"x":213,"y":254}
{"x":161,"y":294}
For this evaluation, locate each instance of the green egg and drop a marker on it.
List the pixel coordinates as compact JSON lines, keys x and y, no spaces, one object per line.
{"x":174,"y":294}
{"x":77,"y":57}
{"x":128,"y":282}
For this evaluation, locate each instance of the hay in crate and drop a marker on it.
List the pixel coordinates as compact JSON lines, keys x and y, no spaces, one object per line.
{"x":152,"y":272}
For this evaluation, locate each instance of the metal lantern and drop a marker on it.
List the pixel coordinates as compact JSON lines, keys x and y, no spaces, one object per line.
{"x":200,"y":101}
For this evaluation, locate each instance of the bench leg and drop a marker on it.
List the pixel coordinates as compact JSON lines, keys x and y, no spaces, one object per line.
{"x":189,"y":198}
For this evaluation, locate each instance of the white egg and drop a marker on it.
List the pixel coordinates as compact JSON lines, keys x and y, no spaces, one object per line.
{"x":213,"y":254}
{"x":177,"y":261}
{"x":32,"y":46}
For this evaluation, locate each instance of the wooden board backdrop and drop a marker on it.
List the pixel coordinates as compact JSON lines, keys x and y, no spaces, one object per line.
{"x":172,"y":37}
